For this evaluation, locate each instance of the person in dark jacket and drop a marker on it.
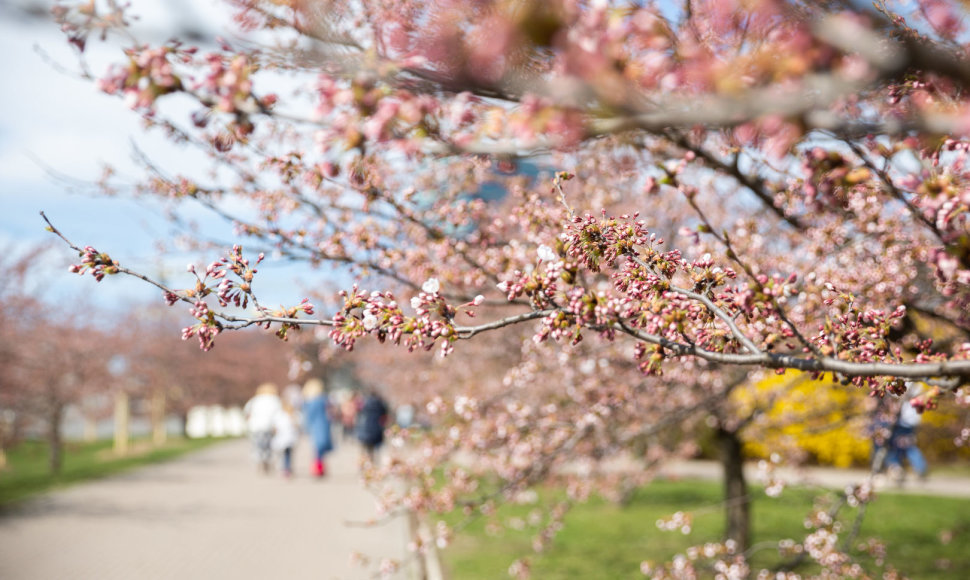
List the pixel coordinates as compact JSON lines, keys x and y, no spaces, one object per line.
{"x":371,"y":420}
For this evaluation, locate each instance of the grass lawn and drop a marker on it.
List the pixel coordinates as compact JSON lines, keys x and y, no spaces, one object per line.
{"x":604,"y":540}
{"x":27,"y":472}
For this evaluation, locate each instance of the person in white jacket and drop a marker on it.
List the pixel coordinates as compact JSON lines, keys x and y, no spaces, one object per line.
{"x":261,"y":413}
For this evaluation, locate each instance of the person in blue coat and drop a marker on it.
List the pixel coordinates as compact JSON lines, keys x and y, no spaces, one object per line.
{"x":371,"y":420}
{"x":316,"y":423}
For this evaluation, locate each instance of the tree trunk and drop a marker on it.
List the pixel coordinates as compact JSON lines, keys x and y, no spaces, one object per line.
{"x":184,"y":415}
{"x":55,"y":442}
{"x":736,"y":500}
{"x":122,"y":416}
{"x":159,"y":433}
{"x":9,"y":433}
{"x":4,"y":441}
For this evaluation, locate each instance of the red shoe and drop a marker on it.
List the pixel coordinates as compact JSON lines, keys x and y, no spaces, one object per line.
{"x":318,"y":468}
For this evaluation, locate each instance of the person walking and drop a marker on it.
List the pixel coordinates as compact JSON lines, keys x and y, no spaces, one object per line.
{"x":260,"y":412}
{"x":902,"y":441}
{"x":292,"y":395}
{"x":316,"y":423}
{"x":286,"y":433}
{"x":348,"y":414}
{"x":371,"y":420}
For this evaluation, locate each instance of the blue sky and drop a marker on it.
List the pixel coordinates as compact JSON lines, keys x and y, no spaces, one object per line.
{"x":52,"y":121}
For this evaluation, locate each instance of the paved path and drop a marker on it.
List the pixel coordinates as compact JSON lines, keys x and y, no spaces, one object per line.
{"x":941,"y":484}
{"x":829,"y":477}
{"x":205,"y":515}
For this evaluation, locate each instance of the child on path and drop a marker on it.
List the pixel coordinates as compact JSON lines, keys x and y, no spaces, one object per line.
{"x":285,"y":437}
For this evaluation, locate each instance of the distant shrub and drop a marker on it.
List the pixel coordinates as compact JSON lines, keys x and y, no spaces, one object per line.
{"x":819,"y":420}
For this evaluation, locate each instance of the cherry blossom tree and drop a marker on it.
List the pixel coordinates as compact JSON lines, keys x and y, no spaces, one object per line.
{"x":57,"y":359}
{"x":17,"y":308}
{"x":57,"y":356}
{"x":720,"y":189}
{"x":189,"y":377}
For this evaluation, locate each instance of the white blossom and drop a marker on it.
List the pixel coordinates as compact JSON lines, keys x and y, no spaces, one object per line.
{"x":546,"y":254}
{"x":431,"y":286}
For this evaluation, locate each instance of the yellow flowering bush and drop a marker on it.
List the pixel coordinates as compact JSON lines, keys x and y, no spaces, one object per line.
{"x":820,"y":418}
{"x":941,"y":428}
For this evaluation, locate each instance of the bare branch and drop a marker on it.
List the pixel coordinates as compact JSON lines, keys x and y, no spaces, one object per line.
{"x":959,"y":368}
{"x":470,"y":331}
{"x":754,"y":184}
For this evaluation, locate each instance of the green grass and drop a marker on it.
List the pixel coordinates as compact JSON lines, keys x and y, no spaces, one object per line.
{"x":27,"y":472}
{"x":605,"y":540}
{"x":950,"y":470}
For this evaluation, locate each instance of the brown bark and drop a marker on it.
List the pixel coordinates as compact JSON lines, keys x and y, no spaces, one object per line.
{"x":736,"y":499}
{"x":55,"y":441}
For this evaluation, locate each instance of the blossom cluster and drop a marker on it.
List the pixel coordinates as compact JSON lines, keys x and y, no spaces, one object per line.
{"x":722,"y":557}
{"x":233,"y":290}
{"x":97,"y":263}
{"x":229,"y":291}
{"x":678,"y":521}
{"x":378,"y":313}
{"x":148,"y":75}
{"x":207,"y":327}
